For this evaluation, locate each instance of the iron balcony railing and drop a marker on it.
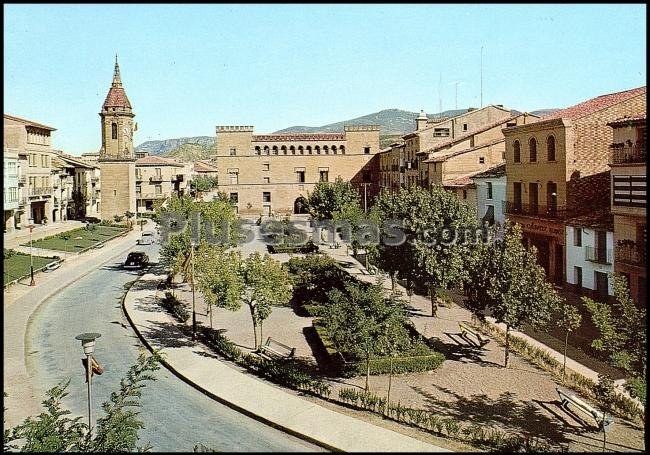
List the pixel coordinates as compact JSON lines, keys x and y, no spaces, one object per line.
{"x":621,"y":154}
{"x":597,"y":255}
{"x":544,"y":211}
{"x":38,"y":191}
{"x":631,"y":253}
{"x":156,"y":178}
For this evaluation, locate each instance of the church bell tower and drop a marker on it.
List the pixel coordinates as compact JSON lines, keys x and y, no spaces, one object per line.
{"x":116,"y":156}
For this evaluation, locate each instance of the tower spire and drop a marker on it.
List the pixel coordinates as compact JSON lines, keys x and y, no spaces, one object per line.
{"x":117,"y":81}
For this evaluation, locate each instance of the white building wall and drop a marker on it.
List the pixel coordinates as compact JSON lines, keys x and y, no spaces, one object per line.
{"x":498,"y":196}
{"x":576,"y":257}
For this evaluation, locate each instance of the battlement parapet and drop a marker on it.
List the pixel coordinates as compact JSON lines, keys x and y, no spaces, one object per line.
{"x":358,"y":128}
{"x":234,"y":129}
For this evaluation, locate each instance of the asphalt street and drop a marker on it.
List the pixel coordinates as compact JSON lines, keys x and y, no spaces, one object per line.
{"x":176,"y":416}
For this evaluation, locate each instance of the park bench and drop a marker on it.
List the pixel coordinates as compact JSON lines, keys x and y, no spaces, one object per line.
{"x":566,"y":398}
{"x":277,"y":350}
{"x":466,"y":328}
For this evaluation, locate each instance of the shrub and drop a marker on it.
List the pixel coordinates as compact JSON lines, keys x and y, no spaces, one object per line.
{"x":221,"y":344}
{"x":175,"y":307}
{"x":8,"y":253}
{"x":636,"y":387}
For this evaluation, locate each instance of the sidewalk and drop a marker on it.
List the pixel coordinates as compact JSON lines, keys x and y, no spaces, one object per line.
{"x":15,"y":238}
{"x":20,"y":301}
{"x":199,"y":366}
{"x":423,"y":304}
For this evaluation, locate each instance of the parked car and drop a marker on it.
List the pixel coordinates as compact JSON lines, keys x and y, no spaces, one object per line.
{"x":136,"y":260}
{"x":147,"y":238}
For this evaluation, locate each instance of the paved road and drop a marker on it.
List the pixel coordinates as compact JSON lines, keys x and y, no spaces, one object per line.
{"x":176,"y":416}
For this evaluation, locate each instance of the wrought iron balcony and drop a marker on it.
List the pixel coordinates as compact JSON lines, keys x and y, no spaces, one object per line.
{"x":543,"y":211}
{"x":597,"y":255}
{"x":631,"y":253}
{"x":621,"y":153}
{"x":156,"y":178}
{"x":37,"y":191}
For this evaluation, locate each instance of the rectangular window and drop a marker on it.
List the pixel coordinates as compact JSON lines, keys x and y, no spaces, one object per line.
{"x":233,"y":151}
{"x":577,"y":274}
{"x":138,"y":189}
{"x":366,"y":150}
{"x":517,"y":195}
{"x":234,"y":198}
{"x":266,"y":196}
{"x":489,"y":190}
{"x":265,"y":166}
{"x":158,"y":173}
{"x":464,"y":126}
{"x":324,"y":176}
{"x":300,"y":176}
{"x":440,"y":132}
{"x":464,"y":194}
{"x":158,"y":189}
{"x":577,"y":236}
{"x":629,"y":190}
{"x":267,"y":180}
{"x":481,"y":160}
{"x":234,"y":178}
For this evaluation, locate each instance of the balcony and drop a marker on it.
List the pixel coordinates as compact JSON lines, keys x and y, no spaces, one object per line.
{"x":151,"y":195}
{"x":156,"y":178}
{"x":177,"y":178}
{"x":96,"y":179}
{"x":542,"y":211}
{"x":22,"y":180}
{"x":599,"y":256}
{"x":629,"y":252}
{"x":623,"y":154}
{"x":56,"y":203}
{"x":36,"y":191}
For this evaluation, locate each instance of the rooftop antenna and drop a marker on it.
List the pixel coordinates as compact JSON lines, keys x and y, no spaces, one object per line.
{"x":481,"y":76}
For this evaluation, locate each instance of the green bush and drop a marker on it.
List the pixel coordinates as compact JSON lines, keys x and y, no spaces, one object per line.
{"x":175,"y":307}
{"x":637,"y":388}
{"x":221,"y":344}
{"x":8,"y":253}
{"x":313,"y":310}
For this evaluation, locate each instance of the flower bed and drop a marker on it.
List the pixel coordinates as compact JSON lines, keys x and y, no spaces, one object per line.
{"x":419,"y":358}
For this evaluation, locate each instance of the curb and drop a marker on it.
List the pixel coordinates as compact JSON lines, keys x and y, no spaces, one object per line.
{"x":230,"y":404}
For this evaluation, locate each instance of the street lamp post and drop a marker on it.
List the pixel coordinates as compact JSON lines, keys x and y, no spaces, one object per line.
{"x":193,"y":301}
{"x":88,"y":344}
{"x":31,"y":256}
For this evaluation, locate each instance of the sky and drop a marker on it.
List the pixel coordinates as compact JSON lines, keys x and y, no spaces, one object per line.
{"x":188,"y":68}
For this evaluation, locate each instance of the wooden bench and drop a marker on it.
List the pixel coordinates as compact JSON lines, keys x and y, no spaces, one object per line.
{"x":275,"y":349}
{"x":602,"y":421}
{"x":466,"y":328}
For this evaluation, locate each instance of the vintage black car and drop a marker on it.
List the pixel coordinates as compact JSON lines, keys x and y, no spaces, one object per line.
{"x":136,"y":260}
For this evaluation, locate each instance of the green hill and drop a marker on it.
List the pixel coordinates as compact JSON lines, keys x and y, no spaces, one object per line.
{"x":191,"y":152}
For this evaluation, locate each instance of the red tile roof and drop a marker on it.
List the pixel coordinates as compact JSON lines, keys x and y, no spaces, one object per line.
{"x":638,"y":118}
{"x":154,"y":160}
{"x":496,"y":171}
{"x":595,"y":104}
{"x":601,"y":219}
{"x":444,"y":156}
{"x":299,"y":137}
{"x":200,"y":166}
{"x":117,"y":98}
{"x":465,"y":180}
{"x":29,"y":122}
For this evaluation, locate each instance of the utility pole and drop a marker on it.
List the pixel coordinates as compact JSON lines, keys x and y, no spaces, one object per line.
{"x":193,"y":301}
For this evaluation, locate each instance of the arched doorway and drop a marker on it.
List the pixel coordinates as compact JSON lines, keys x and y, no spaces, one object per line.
{"x":300,"y":206}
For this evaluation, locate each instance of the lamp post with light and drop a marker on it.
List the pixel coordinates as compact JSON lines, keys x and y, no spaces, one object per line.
{"x":193,"y":244}
{"x":88,"y":344}
{"x":31,"y":256}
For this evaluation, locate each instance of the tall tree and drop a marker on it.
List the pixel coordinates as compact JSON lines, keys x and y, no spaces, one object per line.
{"x":621,"y":329}
{"x":330,"y":198}
{"x":363,"y":322}
{"x":504,"y":280}
{"x":266,"y":284}
{"x":219,"y":277}
{"x":569,"y":319}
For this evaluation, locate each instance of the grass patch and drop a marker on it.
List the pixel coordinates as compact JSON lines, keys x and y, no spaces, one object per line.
{"x":17,"y":266}
{"x":80,"y":238}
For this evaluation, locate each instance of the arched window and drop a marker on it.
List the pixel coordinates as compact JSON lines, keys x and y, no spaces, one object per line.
{"x":334,"y":149}
{"x":550,"y":148}
{"x":275,"y":149}
{"x":284,"y":149}
{"x":301,"y":150}
{"x":532,"y":148}
{"x":114,"y":130}
{"x":516,"y":148}
{"x":266,"y":149}
{"x":317,"y":149}
{"x":326,"y":149}
{"x":343,"y":150}
{"x":292,"y":149}
{"x":258,"y":151}
{"x":309,"y":149}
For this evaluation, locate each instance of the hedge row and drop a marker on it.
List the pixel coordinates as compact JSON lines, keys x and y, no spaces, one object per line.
{"x":175,"y":307}
{"x":309,"y":247}
{"x":419,"y":358}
